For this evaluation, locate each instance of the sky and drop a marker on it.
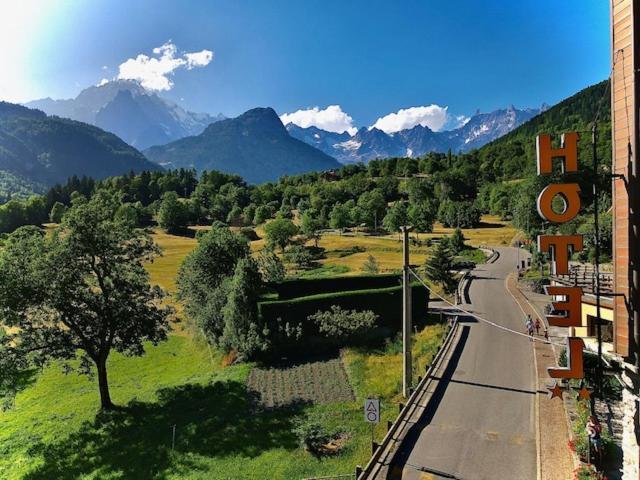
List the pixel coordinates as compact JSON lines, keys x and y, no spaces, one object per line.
{"x":334,"y":64}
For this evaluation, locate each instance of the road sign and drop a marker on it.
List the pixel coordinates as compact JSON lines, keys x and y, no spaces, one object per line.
{"x":372,"y":410}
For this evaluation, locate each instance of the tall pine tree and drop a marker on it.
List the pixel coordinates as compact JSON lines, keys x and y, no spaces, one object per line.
{"x":438,"y":268}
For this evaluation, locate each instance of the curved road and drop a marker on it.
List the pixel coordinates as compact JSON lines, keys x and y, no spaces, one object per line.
{"x":481,"y":425}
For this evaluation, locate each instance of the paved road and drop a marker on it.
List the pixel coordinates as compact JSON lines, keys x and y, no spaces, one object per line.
{"x":483,"y":423}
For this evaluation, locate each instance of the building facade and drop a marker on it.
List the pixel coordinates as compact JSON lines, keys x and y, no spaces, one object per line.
{"x":625,"y":90}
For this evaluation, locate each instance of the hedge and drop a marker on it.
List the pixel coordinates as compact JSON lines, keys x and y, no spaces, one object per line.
{"x":385,"y":302}
{"x":290,"y":289}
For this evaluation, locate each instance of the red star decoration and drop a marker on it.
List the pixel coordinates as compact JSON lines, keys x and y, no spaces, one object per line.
{"x":555,"y":391}
{"x":584,"y":393}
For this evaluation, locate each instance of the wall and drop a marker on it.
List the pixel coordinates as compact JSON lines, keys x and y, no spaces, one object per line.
{"x":625,"y":35}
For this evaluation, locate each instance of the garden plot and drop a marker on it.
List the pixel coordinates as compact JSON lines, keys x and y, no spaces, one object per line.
{"x":317,"y":382}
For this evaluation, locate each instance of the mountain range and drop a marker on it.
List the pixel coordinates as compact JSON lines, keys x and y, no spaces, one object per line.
{"x":138,"y":116}
{"x":255,"y":145}
{"x":370,"y":143}
{"x":39,"y":150}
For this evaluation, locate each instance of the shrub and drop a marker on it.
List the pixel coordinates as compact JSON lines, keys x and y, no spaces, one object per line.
{"x":457,"y":241}
{"x":581,"y":439}
{"x":314,"y":437}
{"x":587,"y":472}
{"x":538,"y":284}
{"x":300,"y":256}
{"x":270,"y":266}
{"x":350,"y":251}
{"x":342,"y":324}
{"x":371,"y":265}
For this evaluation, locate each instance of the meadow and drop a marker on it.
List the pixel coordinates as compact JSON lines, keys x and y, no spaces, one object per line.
{"x":221,"y":430}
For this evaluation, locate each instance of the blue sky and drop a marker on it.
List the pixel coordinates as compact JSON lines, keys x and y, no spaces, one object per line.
{"x":370,"y":58}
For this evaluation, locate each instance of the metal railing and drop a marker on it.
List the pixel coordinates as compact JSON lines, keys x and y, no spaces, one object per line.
{"x":410,"y":406}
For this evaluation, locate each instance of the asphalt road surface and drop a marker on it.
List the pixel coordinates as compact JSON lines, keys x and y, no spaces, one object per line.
{"x":481,"y":425}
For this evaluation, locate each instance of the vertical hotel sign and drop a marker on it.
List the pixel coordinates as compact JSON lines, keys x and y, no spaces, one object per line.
{"x":559,"y":247}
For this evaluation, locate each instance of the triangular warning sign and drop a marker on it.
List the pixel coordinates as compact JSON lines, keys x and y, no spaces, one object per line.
{"x":371,"y":407}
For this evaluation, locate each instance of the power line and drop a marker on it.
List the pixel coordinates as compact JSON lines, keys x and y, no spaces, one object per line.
{"x":489,"y":322}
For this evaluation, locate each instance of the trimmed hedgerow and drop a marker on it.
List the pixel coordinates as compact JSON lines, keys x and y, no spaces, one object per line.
{"x":290,"y":289}
{"x":291,"y":330}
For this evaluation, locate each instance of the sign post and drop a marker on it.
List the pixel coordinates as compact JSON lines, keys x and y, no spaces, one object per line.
{"x":372,"y":415}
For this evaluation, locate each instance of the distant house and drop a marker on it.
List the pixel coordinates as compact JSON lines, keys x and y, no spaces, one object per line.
{"x":329,"y":175}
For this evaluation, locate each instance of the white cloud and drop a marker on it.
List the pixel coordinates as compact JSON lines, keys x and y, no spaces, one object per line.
{"x":154,"y":72}
{"x":332,"y":119}
{"x":102,"y":82}
{"x":432,"y":116}
{"x":198,"y":59}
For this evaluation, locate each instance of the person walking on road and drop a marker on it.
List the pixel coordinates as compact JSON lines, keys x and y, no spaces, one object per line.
{"x":546,"y":334}
{"x":537,"y":326}
{"x":594,"y":429}
{"x":530,"y":327}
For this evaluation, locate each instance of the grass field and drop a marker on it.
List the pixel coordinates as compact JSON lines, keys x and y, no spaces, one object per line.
{"x":387,"y":249}
{"x":55,"y":432}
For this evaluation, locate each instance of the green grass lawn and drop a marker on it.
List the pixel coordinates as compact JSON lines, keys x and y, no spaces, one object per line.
{"x":55,"y":431}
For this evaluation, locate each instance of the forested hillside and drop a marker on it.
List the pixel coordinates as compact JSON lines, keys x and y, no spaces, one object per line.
{"x":385,"y":194}
{"x":254,"y":145}
{"x":37,"y":149}
{"x":513,"y":155}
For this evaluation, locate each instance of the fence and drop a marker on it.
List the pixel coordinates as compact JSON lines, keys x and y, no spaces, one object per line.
{"x":406,"y":410}
{"x":584,"y":276}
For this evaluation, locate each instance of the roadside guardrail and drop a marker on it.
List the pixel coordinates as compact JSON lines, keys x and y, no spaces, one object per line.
{"x":407,"y":410}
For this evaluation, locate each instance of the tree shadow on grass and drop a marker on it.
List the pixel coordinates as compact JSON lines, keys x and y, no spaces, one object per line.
{"x":134,"y":442}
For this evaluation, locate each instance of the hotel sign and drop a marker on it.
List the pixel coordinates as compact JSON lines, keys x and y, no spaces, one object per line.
{"x":560,"y":247}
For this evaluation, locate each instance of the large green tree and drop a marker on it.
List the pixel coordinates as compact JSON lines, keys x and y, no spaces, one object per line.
{"x":279,"y":232}
{"x":243,"y":331}
{"x":82,"y":291}
{"x":173,"y":214}
{"x":310,"y":226}
{"x":396,"y":217}
{"x":421,"y":216}
{"x":218,"y":284}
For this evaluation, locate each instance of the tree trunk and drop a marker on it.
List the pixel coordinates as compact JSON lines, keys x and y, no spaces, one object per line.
{"x":103,"y":384}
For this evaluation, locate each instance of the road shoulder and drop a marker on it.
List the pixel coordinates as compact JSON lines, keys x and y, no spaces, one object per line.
{"x":554,"y":458}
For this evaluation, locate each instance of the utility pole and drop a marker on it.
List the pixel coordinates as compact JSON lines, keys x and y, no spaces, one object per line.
{"x":406,"y":315}
{"x":597,"y":260}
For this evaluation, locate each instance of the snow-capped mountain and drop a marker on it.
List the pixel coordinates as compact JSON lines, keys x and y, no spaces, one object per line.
{"x":370,"y":143}
{"x":138,"y":116}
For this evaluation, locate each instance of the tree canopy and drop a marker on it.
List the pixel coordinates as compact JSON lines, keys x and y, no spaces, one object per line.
{"x":82,"y":291}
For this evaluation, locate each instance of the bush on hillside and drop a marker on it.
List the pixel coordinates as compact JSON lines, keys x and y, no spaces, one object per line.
{"x":343,"y":324}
